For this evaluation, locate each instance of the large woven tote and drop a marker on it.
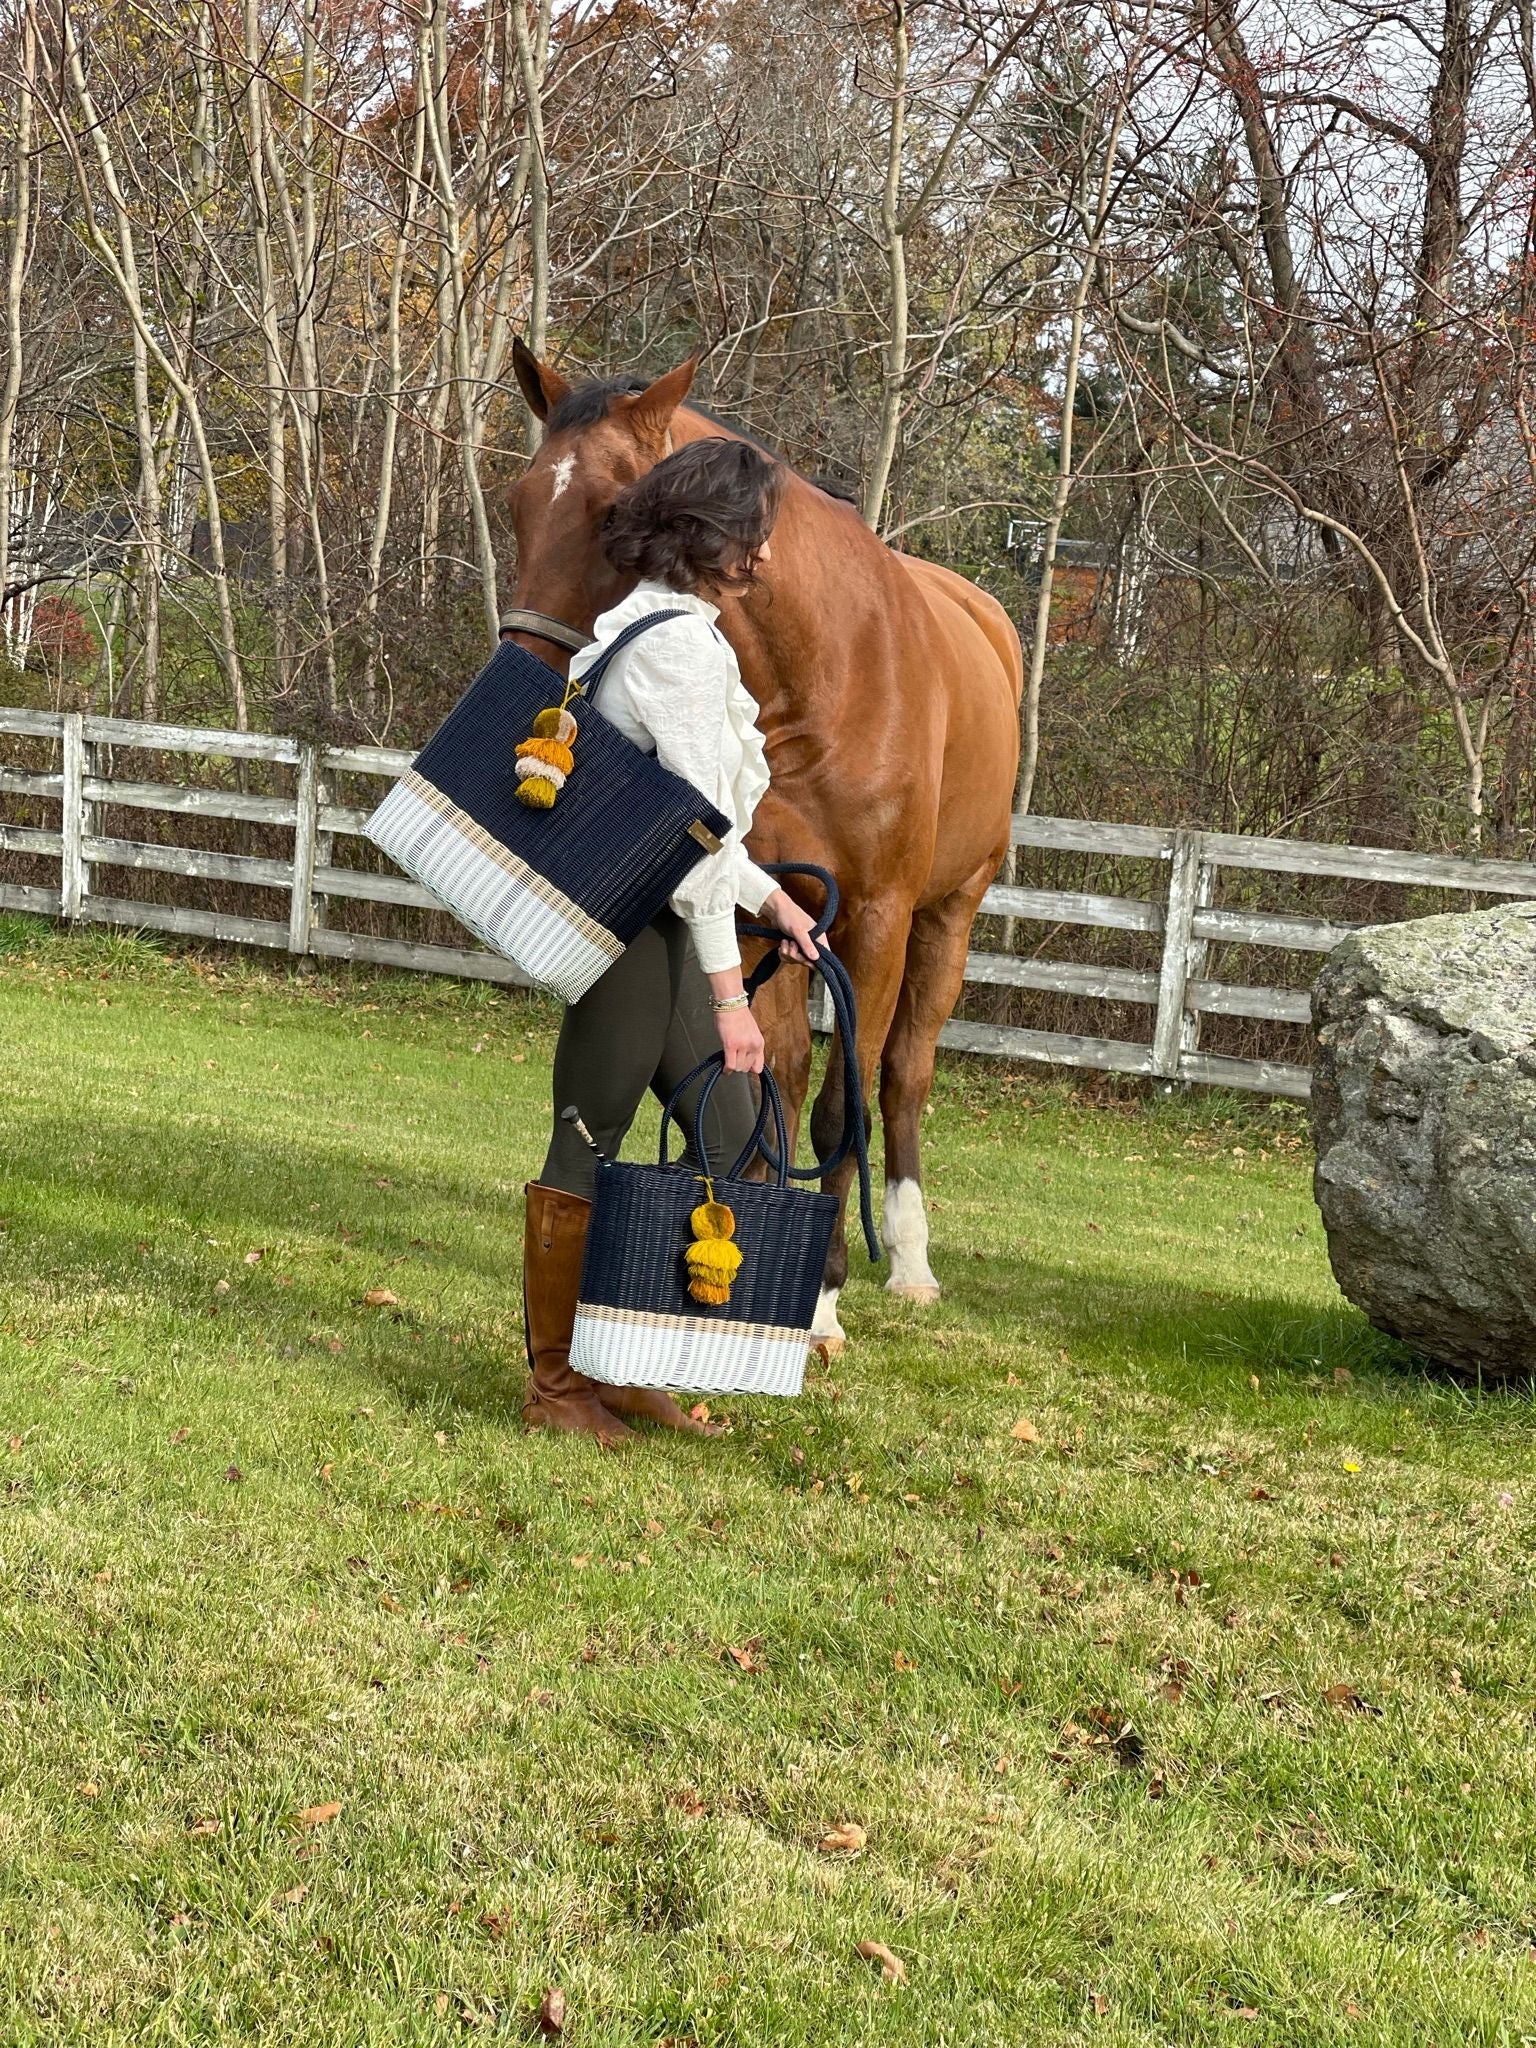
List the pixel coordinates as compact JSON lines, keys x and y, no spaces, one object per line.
{"x":637,"y":1324}
{"x":560,"y":892}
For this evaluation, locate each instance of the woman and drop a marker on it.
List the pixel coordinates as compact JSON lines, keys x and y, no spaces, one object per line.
{"x":692,"y":529}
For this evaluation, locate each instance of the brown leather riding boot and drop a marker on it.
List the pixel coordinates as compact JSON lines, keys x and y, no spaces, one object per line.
{"x":554,"y":1236}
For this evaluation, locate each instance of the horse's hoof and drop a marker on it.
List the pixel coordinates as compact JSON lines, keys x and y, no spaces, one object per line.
{"x":925,"y":1294}
{"x":828,"y":1348}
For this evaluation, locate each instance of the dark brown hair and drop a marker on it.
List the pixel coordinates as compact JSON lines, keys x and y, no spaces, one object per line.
{"x":696,"y":520}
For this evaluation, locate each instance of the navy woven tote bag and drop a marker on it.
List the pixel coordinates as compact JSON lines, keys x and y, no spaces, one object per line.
{"x":560,"y":892}
{"x":637,"y":1322}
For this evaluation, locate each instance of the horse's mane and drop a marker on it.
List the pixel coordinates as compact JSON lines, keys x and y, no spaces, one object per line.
{"x":593,"y":401}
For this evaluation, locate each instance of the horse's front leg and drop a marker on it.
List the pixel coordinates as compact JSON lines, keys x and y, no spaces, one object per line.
{"x":871,"y":942}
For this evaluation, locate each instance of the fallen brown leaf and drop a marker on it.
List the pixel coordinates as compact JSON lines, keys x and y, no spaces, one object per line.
{"x":205,"y":1826}
{"x":551,"y":2013}
{"x":892,"y":1969}
{"x":234,"y":1475}
{"x":1098,"y":2004}
{"x":846,"y":1839}
{"x":255,"y":1258}
{"x":1024,"y":1431}
{"x":746,"y":1657}
{"x":380,"y":1297}
{"x":903,"y":1662}
{"x":1347,"y":1699}
{"x":1114,"y":1731}
{"x":317,"y":1816}
{"x":179,"y":1436}
{"x":289,"y":1898}
{"x":89,"y":1790}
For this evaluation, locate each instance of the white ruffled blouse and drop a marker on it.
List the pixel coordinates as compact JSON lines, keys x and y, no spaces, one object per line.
{"x":677,"y":692}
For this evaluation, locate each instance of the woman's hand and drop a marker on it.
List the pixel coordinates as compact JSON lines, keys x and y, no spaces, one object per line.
{"x":798,"y":926}
{"x":741,"y":1040}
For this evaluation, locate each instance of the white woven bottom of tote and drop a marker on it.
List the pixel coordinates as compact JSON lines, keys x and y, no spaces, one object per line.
{"x":498,"y":897}
{"x":630,"y":1347}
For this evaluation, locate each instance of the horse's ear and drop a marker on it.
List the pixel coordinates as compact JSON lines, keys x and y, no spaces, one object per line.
{"x":541,"y":386}
{"x":650,"y":411}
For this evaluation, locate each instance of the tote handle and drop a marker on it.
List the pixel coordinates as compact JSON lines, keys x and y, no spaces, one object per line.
{"x":588,"y":683}
{"x":855,"y":1135}
{"x":771,"y":1105}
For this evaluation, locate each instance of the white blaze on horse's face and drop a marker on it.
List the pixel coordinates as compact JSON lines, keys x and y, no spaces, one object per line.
{"x":565,"y":469}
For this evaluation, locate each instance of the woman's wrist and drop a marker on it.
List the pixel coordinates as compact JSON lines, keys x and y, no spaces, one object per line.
{"x":727,"y":991}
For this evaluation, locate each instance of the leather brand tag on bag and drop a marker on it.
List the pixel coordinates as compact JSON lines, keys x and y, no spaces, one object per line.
{"x":700,"y":831}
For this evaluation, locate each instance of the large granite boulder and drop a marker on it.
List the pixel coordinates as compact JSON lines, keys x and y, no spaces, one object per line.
{"x":1424,"y":1112}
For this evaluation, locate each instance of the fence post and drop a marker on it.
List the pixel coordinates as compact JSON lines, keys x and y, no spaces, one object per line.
{"x":301,"y":904}
{"x":1173,"y":975}
{"x":1197,"y":950}
{"x":325,"y":850}
{"x":74,"y":876}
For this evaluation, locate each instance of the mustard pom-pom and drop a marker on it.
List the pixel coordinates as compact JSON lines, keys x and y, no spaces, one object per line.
{"x":551,"y":752}
{"x":554,"y":729}
{"x":713,"y":1263}
{"x":712,"y":1219}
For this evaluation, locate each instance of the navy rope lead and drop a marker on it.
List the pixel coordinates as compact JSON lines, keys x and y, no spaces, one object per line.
{"x":855,"y":1137}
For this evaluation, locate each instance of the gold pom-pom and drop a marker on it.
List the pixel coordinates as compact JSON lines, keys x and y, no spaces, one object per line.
{"x":712,"y":1260}
{"x":554,"y":731}
{"x":712,"y":1219}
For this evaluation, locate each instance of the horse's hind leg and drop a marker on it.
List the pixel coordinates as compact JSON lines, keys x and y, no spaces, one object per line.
{"x":935,"y":974}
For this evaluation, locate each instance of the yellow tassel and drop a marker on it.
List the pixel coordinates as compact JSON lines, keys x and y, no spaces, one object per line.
{"x":550,"y":751}
{"x":554,"y":731}
{"x":712,"y":1260}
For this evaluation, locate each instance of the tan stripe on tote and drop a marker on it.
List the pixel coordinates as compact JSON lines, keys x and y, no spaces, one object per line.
{"x":536,"y":884}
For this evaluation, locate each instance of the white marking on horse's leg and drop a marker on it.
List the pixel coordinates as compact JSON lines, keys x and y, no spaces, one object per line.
{"x":904,"y":1233}
{"x":565,"y":469}
{"x":827,"y":1333}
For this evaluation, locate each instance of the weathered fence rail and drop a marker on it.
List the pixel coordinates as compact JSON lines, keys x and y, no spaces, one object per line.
{"x":1183,"y":868}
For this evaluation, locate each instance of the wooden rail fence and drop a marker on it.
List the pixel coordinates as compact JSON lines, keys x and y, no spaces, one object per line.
{"x":1179,"y":906}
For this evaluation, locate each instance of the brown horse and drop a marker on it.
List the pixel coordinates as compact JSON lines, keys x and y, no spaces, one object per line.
{"x":888,"y":691}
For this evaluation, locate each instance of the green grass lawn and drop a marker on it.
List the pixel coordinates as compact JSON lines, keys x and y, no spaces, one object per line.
{"x":270,"y":1553}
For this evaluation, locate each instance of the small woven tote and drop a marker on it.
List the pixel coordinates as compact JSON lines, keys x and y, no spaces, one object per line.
{"x":639,"y":1324}
{"x":639,"y":1321}
{"x":559,"y":890}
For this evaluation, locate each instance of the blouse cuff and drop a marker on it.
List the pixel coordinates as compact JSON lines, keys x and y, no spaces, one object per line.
{"x":714,"y":941}
{"x":755,"y":887}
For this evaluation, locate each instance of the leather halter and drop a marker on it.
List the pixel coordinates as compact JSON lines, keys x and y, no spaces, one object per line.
{"x":544,"y":626}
